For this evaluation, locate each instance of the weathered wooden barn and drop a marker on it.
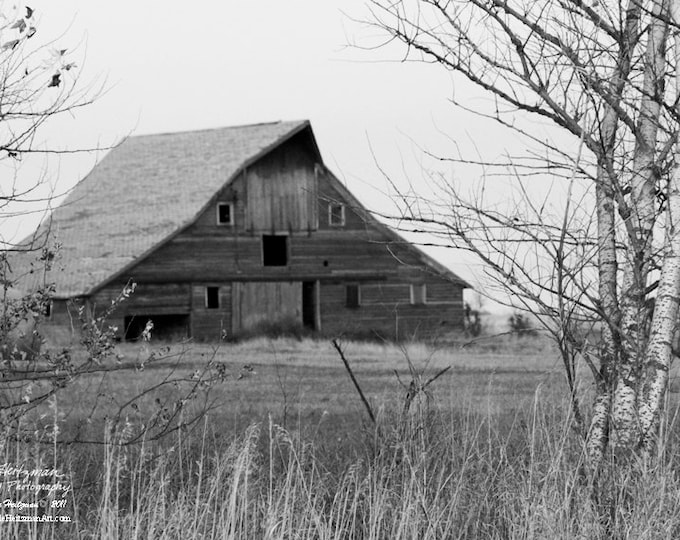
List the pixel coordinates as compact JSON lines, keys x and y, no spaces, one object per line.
{"x":229,"y":231}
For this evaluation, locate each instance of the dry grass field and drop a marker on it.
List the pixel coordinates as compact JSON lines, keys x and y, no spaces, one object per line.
{"x":287,"y":449}
{"x":303,"y":384}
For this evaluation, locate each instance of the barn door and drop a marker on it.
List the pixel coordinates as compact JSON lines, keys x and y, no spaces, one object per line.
{"x":261,"y":304}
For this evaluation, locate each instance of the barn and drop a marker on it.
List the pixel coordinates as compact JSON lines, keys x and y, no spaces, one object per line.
{"x":232,"y":231}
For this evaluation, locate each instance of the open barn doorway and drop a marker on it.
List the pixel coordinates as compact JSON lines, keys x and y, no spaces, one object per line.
{"x":310,"y":305}
{"x":173,"y":327}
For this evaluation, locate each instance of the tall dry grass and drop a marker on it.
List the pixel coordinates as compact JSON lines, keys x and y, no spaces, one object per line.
{"x":422,"y":474}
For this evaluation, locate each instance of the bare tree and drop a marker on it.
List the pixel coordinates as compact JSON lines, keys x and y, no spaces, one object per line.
{"x":599,"y":73}
{"x":38,"y":84}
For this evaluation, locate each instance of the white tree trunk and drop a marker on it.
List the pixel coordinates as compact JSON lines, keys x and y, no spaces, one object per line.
{"x":634,"y":316}
{"x":664,"y":322}
{"x":598,"y":434}
{"x":665,"y":318}
{"x":600,"y":425}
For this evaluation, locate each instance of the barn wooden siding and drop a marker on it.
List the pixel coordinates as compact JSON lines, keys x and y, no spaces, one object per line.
{"x":385,"y":311}
{"x":385,"y":308}
{"x":281,"y":192}
{"x":286,"y":192}
{"x":207,"y":252}
{"x":206,"y":323}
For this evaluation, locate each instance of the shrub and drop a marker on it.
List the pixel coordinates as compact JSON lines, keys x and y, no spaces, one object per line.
{"x":521,"y":325}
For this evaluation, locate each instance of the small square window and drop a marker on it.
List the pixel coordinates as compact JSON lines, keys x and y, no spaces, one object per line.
{"x":418,"y":294}
{"x":274,"y":250}
{"x":212,"y":297}
{"x":336,"y":214}
{"x":225,"y":214}
{"x":352,"y":296}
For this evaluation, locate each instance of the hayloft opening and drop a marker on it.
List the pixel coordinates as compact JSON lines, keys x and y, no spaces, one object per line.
{"x":274,"y":250}
{"x":164,"y":327}
{"x":212,"y":297}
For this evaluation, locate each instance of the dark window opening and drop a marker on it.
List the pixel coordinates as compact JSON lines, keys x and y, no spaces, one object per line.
{"x":48,"y":310}
{"x":336,"y":214}
{"x":161,"y":327}
{"x":212,"y":297}
{"x":225,"y":214}
{"x":352,"y":296}
{"x":309,"y":304}
{"x":274,"y":250}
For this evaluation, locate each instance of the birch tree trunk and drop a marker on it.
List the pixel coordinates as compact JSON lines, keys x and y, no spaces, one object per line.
{"x":634,"y":313}
{"x":665,"y":318}
{"x":607,"y":263}
{"x":598,"y":435}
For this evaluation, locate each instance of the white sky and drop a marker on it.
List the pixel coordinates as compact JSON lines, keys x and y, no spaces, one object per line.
{"x":173,"y":66}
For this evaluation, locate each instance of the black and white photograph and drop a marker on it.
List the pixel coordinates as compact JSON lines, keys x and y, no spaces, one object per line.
{"x":358,"y":269}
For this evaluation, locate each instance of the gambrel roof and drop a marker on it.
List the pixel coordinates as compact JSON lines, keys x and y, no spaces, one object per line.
{"x":143,"y":192}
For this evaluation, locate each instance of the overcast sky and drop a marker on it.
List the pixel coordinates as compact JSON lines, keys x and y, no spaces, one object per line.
{"x":173,"y":66}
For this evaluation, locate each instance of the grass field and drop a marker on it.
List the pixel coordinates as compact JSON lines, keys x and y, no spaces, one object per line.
{"x":287,"y":450}
{"x":304,"y":384}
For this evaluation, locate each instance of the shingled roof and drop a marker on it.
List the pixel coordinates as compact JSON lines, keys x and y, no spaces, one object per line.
{"x":147,"y":189}
{"x":143,"y":191}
